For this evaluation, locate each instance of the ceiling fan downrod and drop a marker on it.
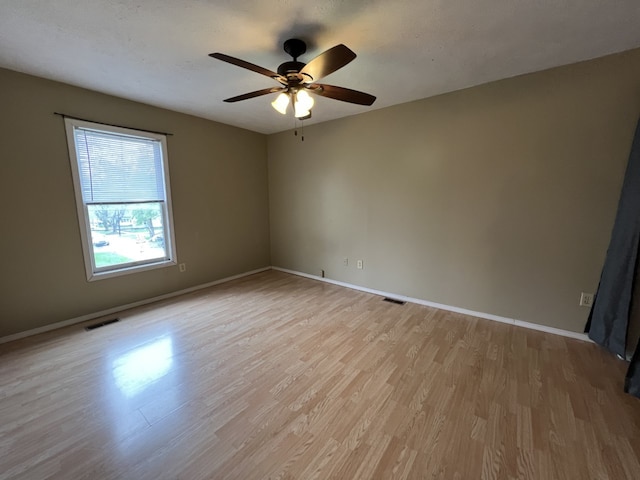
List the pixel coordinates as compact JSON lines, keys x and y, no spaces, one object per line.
{"x":290,"y":69}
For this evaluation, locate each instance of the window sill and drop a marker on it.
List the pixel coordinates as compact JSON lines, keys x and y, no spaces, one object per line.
{"x":93,"y":276}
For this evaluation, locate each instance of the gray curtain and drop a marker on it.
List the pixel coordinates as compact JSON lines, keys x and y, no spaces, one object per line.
{"x":608,"y":322}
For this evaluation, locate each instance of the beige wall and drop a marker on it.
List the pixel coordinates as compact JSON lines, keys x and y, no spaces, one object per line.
{"x":499,"y":198}
{"x":220,"y":203}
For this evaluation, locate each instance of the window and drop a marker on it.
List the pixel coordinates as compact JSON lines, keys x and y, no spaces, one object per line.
{"x":121,"y":182}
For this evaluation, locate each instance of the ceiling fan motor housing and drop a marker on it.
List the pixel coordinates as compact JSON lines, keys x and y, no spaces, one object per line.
{"x":290,"y":67}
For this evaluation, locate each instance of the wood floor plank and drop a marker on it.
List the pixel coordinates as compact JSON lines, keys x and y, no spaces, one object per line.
{"x":275,"y":376}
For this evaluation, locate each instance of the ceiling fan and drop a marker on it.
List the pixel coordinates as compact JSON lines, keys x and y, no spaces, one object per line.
{"x":298,"y":79}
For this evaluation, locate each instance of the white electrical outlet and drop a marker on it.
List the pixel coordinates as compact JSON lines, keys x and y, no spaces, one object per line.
{"x":359,"y":264}
{"x":182,"y":267}
{"x":586,"y":299}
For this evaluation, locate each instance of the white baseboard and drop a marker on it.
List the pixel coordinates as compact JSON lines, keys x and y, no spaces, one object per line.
{"x":110,"y":311}
{"x":488,"y":316}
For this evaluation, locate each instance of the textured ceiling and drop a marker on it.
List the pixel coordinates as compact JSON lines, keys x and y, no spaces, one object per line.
{"x":156,"y":52}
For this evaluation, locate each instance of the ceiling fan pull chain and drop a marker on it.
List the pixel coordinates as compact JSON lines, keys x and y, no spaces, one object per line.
{"x":295,"y":128}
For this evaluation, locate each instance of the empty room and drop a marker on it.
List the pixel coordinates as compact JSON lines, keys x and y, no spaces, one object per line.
{"x":334,"y":240}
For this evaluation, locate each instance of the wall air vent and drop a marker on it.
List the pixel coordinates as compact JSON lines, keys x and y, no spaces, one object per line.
{"x":101,"y":324}
{"x":393,"y":300}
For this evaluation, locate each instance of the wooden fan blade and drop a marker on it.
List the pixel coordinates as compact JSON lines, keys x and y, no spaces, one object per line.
{"x":257,"y":93}
{"x":327,"y":62}
{"x":342,"y":94}
{"x":249,"y":66}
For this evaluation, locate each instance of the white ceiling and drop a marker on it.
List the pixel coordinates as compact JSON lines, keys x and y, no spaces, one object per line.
{"x":156,"y":52}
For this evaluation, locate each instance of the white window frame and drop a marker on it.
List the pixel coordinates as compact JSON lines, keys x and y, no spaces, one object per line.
{"x":83,"y":214}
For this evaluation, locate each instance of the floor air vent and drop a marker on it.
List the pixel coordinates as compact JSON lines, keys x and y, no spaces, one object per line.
{"x":101,"y":324}
{"x":393,"y":300}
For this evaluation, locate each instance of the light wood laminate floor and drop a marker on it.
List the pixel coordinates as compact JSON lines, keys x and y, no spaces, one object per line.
{"x":277,"y":376}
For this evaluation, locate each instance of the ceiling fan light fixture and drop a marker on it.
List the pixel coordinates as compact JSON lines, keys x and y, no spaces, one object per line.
{"x":303,"y":102}
{"x":281,"y":103}
{"x":296,"y":79}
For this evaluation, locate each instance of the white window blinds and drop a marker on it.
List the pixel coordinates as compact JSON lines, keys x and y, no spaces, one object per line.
{"x":116,"y":168}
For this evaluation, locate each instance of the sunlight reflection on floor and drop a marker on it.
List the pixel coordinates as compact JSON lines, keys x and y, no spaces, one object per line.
{"x":136,"y":370}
